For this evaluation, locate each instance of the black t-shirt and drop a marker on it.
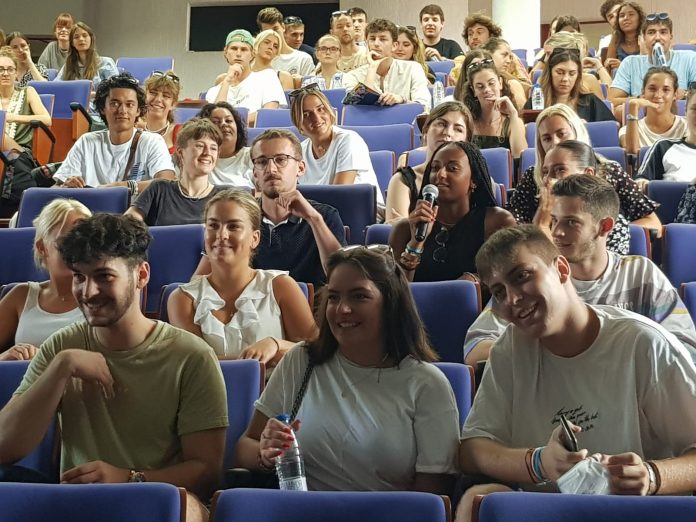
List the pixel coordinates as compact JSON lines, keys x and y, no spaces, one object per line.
{"x":447,"y":48}
{"x":162,"y":203}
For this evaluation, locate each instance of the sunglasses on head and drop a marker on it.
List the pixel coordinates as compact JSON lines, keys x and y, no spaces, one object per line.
{"x":384,"y":250}
{"x":159,"y":74}
{"x":338,"y":13}
{"x":293,"y":20}
{"x":563,"y":50}
{"x":312,"y":87}
{"x":657,"y":16}
{"x":478,"y":65}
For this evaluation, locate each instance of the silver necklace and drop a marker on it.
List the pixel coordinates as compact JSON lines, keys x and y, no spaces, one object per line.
{"x":354,"y":384}
{"x":203,"y":193}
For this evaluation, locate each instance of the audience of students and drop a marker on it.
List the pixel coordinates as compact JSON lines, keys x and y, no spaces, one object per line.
{"x":530,"y":202}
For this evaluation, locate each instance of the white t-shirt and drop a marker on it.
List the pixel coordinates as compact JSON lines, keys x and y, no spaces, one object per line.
{"x":95,"y":159}
{"x":255,"y":91}
{"x":405,"y":78}
{"x":633,"y":283}
{"x":348,"y":151}
{"x":295,"y":62}
{"x":367,"y":428}
{"x":633,"y":389}
{"x":236,"y":170}
{"x":679,"y":129}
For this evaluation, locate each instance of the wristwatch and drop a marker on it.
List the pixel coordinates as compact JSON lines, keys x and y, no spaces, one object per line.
{"x":136,"y":476}
{"x":631,"y":117}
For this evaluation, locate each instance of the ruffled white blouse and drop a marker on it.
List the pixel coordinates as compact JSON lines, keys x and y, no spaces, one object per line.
{"x":257,"y":315}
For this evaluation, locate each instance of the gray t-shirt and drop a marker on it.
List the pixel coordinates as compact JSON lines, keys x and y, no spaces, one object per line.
{"x":162,"y":203}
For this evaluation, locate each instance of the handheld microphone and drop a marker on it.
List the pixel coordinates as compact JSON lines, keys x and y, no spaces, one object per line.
{"x":430,"y":194}
{"x":658,"y":55}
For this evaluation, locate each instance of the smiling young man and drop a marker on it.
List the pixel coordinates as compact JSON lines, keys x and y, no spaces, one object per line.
{"x":101,"y":158}
{"x":432,"y":20}
{"x":242,"y":87}
{"x":294,"y":34}
{"x":628,"y":81}
{"x":399,"y":81}
{"x":137,"y":400}
{"x":585,"y":208}
{"x":627,"y":386}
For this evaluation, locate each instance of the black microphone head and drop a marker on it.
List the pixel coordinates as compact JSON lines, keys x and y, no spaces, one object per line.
{"x":430,"y":192}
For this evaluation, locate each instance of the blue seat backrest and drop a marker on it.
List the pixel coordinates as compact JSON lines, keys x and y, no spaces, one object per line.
{"x":460,"y":377}
{"x":667,"y":194}
{"x":678,"y":253}
{"x":66,"y":92}
{"x":383,"y":162}
{"x":17,"y":258}
{"x":397,"y":138}
{"x":375,"y":115}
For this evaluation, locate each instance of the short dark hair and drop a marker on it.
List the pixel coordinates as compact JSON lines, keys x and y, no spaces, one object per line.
{"x":598,"y":196}
{"x":269,"y":15}
{"x":504,"y":244}
{"x":379,"y":25}
{"x":660,"y":69}
{"x":120,"y":81}
{"x":208,"y":109}
{"x":607,"y":6}
{"x":357,"y":10}
{"x":657,"y":21}
{"x":567,"y":20}
{"x":106,"y":236}
{"x":403,"y":333}
{"x":432,"y":10}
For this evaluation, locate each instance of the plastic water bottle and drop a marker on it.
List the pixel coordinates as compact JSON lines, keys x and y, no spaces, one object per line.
{"x":537,"y":98}
{"x":438,"y":93}
{"x":290,"y":465}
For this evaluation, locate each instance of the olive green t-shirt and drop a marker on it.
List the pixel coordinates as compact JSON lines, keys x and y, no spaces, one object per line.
{"x":167,"y":387}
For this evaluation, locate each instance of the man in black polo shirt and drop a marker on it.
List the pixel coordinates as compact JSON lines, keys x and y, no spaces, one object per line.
{"x":296,"y":234}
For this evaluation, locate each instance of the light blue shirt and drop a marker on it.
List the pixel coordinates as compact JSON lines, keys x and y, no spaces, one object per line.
{"x":629,"y":76}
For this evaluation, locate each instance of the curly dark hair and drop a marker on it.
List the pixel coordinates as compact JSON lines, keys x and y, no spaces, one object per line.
{"x":106,"y":236}
{"x":482,"y":196}
{"x":403,"y":333}
{"x":120,"y":81}
{"x":208,"y":109}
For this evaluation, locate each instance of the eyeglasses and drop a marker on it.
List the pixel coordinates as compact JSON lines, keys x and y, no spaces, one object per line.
{"x":338,"y":13}
{"x":657,"y":16}
{"x":293,"y":20}
{"x":279,"y":160}
{"x":8,"y":70}
{"x":332,"y":49}
{"x":159,"y":74}
{"x":480,"y":64}
{"x":440,"y":253}
{"x":384,"y":250}
{"x":307,"y":88}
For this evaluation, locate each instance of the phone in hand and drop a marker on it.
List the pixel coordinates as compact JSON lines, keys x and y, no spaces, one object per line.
{"x":570,"y":441}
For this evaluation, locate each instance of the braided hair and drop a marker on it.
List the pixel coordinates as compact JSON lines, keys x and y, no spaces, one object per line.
{"x":482,"y":196}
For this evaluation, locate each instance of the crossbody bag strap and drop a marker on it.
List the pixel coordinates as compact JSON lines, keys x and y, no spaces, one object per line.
{"x":131,"y":154}
{"x":301,"y":392}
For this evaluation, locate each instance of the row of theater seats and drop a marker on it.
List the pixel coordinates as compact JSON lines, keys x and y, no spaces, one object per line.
{"x":146,"y":502}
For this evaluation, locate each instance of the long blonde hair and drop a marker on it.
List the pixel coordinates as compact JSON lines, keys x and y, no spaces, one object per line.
{"x":53,"y":217}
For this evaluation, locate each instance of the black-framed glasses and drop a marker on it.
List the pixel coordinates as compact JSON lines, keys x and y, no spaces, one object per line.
{"x":441,"y":238}
{"x":293,"y":20}
{"x":657,"y":16}
{"x":325,"y":49}
{"x":8,"y":70}
{"x":314,"y":86}
{"x":159,"y":74}
{"x":279,"y":160}
{"x":480,"y":64}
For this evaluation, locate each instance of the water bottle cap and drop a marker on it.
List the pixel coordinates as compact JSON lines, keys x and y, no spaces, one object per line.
{"x":284,"y":418}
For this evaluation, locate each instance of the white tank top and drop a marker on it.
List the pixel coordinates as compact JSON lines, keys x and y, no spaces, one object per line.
{"x":36,"y":325}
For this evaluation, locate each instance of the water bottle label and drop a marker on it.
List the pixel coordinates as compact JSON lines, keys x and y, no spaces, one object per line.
{"x":293,"y":484}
